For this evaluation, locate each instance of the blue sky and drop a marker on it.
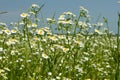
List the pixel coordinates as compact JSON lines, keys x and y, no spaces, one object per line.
{"x":106,"y":8}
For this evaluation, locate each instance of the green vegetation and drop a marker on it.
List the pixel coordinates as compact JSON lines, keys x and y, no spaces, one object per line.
{"x":80,"y":51}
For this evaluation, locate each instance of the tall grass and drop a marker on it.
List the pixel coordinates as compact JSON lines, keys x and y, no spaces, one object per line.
{"x":117,"y":75}
{"x":82,"y":51}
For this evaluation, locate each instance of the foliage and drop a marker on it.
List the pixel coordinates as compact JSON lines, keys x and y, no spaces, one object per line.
{"x":80,"y":51}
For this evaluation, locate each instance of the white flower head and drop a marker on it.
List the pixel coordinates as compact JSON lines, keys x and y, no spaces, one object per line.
{"x":24,"y":15}
{"x":54,"y":38}
{"x":13,"y":31}
{"x":99,"y":24}
{"x":69,"y":13}
{"x":69,"y":22}
{"x":7,"y":69}
{"x":34,"y":25}
{"x":50,"y":20}
{"x":11,"y":41}
{"x":61,"y":36}
{"x":58,"y":78}
{"x":1,"y":58}
{"x":35,"y":6}
{"x":1,"y":32}
{"x":49,"y":73}
{"x":45,"y":56}
{"x":3,"y":24}
{"x":40,"y":32}
{"x":62,"y":17}
{"x":97,"y":31}
{"x":31,"y":12}
{"x":7,"y":31}
{"x":83,"y":24}
{"x":65,"y":50}
{"x":83,"y":9}
{"x":1,"y":49}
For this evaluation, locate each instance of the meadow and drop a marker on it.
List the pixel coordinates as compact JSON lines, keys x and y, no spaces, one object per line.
{"x":80,"y":50}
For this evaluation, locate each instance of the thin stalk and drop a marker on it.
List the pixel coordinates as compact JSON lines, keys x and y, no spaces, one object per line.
{"x":36,"y":19}
{"x":76,"y":25}
{"x":26,"y":33}
{"x":106,"y":21}
{"x":36,"y":15}
{"x":118,"y":52}
{"x":108,"y":32}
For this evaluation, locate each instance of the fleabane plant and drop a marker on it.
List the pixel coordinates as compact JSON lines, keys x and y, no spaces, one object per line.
{"x":66,"y":21}
{"x":80,"y":50}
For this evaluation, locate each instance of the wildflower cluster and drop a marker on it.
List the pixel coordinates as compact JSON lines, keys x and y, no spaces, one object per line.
{"x":82,"y":51}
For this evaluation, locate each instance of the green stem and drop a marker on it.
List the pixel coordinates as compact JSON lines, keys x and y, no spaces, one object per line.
{"x":26,"y":34}
{"x":36,"y":20}
{"x":118,"y":53}
{"x":76,"y":25}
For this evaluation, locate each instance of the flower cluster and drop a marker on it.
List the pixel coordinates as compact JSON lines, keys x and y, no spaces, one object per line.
{"x":81,"y":51}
